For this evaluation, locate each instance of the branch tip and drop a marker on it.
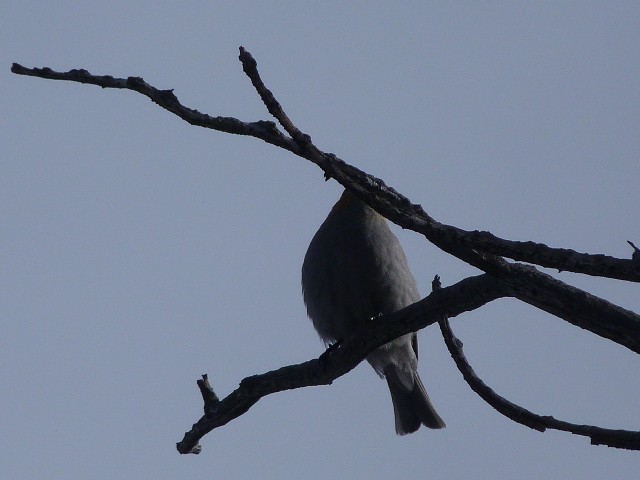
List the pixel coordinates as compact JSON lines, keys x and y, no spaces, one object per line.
{"x":208,"y":395}
{"x":248,"y":62}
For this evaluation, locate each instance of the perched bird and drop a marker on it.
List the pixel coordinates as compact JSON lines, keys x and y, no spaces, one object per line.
{"x":354,"y":270}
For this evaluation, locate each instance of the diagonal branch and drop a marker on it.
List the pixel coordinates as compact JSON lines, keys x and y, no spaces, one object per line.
{"x":562,"y":259}
{"x":572,"y":304}
{"x":339,"y":359}
{"x":250,"y":67}
{"x":626,"y":439}
{"x":398,"y":209}
{"x":382,"y":198}
{"x":263,"y":130}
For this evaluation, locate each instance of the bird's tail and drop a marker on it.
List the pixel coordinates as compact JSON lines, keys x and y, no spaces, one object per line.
{"x":411,"y":408}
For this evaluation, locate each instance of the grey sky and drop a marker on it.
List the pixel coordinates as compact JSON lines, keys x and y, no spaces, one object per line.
{"x":139,"y":252}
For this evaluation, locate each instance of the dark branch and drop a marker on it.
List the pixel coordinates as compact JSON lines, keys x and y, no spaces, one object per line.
{"x":476,"y":248}
{"x":466,"y":295}
{"x":250,"y":67}
{"x":575,"y":306}
{"x":562,"y":259}
{"x":397,"y":207}
{"x":599,"y":436}
{"x":384,"y":199}
{"x":263,"y":130}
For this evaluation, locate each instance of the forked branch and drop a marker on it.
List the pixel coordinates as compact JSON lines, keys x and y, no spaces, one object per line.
{"x":480,"y":249}
{"x":339,"y":359}
{"x":384,"y":199}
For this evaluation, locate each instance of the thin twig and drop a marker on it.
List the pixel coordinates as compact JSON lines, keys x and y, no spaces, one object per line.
{"x":250,"y":68}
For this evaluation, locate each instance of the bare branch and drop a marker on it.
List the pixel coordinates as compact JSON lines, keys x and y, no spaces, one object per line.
{"x":387,"y":202}
{"x":250,"y":67}
{"x":562,"y":259}
{"x":575,"y":306}
{"x":337,"y":360}
{"x":626,"y":439}
{"x":372,"y":190}
{"x":480,"y":249}
{"x":263,"y":130}
{"x":398,"y":208}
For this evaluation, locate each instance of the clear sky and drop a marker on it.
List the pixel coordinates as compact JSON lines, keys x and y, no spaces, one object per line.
{"x":139,"y":252}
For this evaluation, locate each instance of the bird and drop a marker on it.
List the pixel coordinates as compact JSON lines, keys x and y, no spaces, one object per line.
{"x":354,"y":270}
